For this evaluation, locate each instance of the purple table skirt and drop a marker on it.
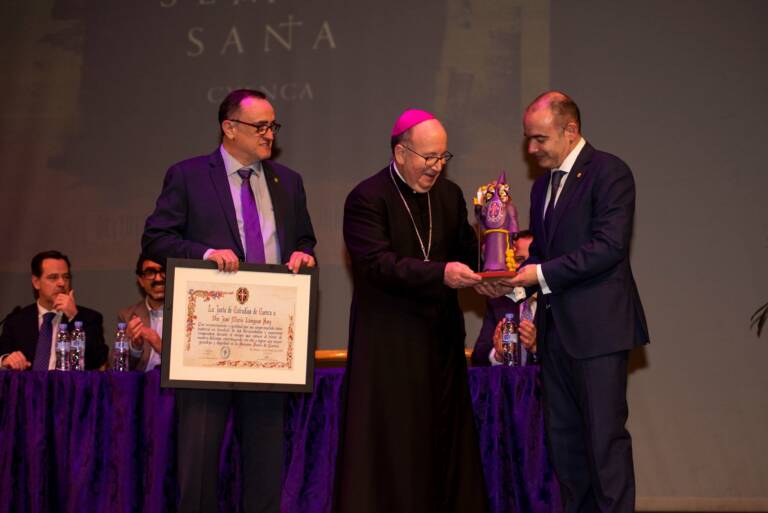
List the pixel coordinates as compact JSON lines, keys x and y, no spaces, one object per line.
{"x":103,"y":442}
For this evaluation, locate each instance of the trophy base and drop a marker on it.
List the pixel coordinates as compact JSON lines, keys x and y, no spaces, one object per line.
{"x":496,"y":275}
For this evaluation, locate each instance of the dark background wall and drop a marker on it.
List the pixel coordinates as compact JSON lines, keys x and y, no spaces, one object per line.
{"x":99,"y":98}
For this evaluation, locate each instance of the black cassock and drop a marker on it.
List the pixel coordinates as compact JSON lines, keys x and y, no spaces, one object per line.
{"x":408,"y":441}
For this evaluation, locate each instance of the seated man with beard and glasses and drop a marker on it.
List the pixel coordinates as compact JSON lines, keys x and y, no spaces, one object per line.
{"x":144,"y":320}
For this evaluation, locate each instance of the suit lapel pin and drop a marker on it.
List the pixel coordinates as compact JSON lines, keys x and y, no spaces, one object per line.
{"x":578,"y":174}
{"x":275,"y":179}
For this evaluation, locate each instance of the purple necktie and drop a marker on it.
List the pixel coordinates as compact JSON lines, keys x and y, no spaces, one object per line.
{"x":554,"y":182}
{"x":254,"y":243}
{"x":43,"y":351}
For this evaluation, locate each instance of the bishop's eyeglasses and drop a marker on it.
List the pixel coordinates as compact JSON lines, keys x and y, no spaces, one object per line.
{"x":432,"y":160}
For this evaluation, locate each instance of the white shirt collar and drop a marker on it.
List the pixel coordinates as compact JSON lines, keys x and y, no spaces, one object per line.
{"x":232,"y":165}
{"x":570,"y":160}
{"x":152,"y":310}
{"x":41,"y":311}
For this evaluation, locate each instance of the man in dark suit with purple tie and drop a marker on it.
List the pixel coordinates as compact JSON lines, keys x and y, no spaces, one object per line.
{"x":230,"y":206}
{"x":589,"y":315}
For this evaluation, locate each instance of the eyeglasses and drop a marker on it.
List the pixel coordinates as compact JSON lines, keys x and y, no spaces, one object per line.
{"x":261,"y":128}
{"x":150,"y":274}
{"x":433,"y":160}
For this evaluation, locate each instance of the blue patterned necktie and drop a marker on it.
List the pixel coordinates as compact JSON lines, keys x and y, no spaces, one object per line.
{"x":526,"y":314}
{"x":43,"y":351}
{"x":254,"y":242}
{"x":554,"y":182}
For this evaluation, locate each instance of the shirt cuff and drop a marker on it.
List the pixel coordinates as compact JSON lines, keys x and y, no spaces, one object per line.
{"x":208,"y":252}
{"x":492,"y":357}
{"x":542,"y":281}
{"x":136,"y":353}
{"x":517,"y":294}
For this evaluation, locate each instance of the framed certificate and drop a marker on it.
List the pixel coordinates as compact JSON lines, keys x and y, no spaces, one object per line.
{"x":249,"y":330}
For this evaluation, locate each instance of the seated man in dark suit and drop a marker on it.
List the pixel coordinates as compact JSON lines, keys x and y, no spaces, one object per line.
{"x":144,"y":319}
{"x":487,"y":350}
{"x":28,"y":335}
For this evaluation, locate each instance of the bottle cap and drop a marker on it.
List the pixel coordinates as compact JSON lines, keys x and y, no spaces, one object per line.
{"x":78,"y":324}
{"x":63,"y":326}
{"x":509,"y":316}
{"x":121,"y":325}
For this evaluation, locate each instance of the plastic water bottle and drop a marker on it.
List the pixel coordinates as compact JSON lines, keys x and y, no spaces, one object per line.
{"x":509,"y":342}
{"x":77,"y":347}
{"x":121,"y":350}
{"x":62,"y":348}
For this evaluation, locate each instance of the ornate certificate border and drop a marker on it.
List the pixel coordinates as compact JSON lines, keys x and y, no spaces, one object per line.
{"x":250,"y":330}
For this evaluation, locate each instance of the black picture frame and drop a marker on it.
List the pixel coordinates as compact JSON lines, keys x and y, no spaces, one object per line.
{"x":176,"y":375}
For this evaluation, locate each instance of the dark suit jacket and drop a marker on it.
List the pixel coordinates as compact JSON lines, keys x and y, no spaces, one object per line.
{"x":126,"y":314}
{"x":195,"y":211}
{"x":21,"y":330}
{"x":585,"y":259}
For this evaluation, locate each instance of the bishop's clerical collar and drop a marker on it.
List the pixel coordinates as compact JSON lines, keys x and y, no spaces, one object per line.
{"x":402,"y":184}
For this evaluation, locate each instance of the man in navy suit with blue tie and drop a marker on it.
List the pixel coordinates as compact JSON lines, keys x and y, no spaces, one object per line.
{"x":589,"y":315}
{"x":230,"y":206}
{"x":29,"y":334}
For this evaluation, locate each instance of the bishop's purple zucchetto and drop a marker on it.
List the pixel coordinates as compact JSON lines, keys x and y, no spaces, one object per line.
{"x":409,"y":119}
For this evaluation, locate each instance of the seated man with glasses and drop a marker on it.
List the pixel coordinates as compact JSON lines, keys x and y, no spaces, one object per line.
{"x":145,"y":318}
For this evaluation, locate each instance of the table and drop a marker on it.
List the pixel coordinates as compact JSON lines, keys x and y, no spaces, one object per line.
{"x":105,"y":442}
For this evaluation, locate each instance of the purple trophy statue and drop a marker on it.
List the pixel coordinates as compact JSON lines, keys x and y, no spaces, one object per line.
{"x":497,"y":217}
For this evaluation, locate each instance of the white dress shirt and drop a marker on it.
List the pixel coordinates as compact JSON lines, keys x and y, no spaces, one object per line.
{"x":56,"y":321}
{"x":566,"y":166}
{"x":263,"y":204}
{"x":156,"y":323}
